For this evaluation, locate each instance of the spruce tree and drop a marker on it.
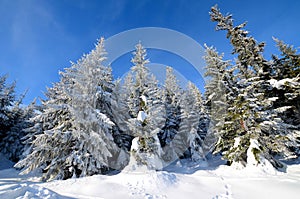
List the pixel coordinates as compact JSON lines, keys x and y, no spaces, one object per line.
{"x":171,"y":94}
{"x":187,"y":142}
{"x":219,"y":91}
{"x":73,"y":132}
{"x":50,"y":144}
{"x":13,"y":146}
{"x":249,"y":118}
{"x":89,"y":107}
{"x":7,"y":99}
{"x":146,"y":112}
{"x":285,"y":92}
{"x":14,"y":119}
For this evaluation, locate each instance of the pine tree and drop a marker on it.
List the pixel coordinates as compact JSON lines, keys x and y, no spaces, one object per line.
{"x":49,"y":142}
{"x":285,"y":92}
{"x":218,"y":92}
{"x":137,"y":80}
{"x":285,"y":82}
{"x":121,"y":116}
{"x":74,"y":132}
{"x":7,"y":99}
{"x":13,"y":146}
{"x":249,"y":117}
{"x":171,"y":93}
{"x":196,"y":138}
{"x":90,"y":96}
{"x":14,"y":119}
{"x":187,"y":142}
{"x":146,"y":112}
{"x":288,"y":65}
{"x":171,"y":96}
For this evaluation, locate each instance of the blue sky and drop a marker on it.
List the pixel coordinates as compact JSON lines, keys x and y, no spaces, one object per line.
{"x":39,"y":38}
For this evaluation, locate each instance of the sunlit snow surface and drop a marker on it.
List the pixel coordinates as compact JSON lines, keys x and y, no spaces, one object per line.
{"x":178,"y":181}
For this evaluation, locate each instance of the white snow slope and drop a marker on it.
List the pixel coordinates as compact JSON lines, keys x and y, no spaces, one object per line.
{"x":178,"y":182}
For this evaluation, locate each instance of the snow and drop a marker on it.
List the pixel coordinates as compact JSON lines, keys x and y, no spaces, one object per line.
{"x":282,"y":109}
{"x":135,"y":144}
{"x":279,"y":84}
{"x":263,"y":164}
{"x":144,"y":99}
{"x":179,"y":180}
{"x":237,"y":141}
{"x":141,"y":116}
{"x":154,"y":161}
{"x":251,"y":161}
{"x":273,"y":99}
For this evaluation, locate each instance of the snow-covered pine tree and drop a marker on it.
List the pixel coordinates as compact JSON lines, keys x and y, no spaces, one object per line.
{"x":187,"y":142}
{"x":218,"y":91}
{"x":197,"y":140}
{"x":248,"y":119}
{"x":13,"y":121}
{"x":121,"y":115}
{"x":13,"y":146}
{"x":74,"y":132}
{"x":287,"y":66}
{"x":137,"y":80}
{"x":7,"y":99}
{"x":171,"y":99}
{"x":171,"y":94}
{"x":89,"y":106}
{"x":146,"y":112}
{"x":285,"y":92}
{"x":49,"y":142}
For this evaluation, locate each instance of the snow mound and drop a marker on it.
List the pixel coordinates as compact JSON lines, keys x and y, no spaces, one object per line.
{"x":124,"y":185}
{"x":263,"y":165}
{"x":149,"y":184}
{"x":150,"y":178}
{"x":25,"y":191}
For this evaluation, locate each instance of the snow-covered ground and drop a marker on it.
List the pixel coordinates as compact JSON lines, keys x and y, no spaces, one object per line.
{"x":178,"y":181}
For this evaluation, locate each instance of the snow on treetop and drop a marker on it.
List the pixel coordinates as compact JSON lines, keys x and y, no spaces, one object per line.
{"x":143,"y":97}
{"x":141,"y":116}
{"x":135,"y":144}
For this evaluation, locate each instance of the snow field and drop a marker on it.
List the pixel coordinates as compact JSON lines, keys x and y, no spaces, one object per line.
{"x":180,"y":181}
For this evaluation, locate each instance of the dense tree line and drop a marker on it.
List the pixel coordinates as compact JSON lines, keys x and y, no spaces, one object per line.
{"x":91,"y":124}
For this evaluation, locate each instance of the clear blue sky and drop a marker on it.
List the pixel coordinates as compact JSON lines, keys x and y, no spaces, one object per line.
{"x":38,"y":37}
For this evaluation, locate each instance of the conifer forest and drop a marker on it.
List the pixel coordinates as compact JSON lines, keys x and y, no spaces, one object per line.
{"x":91,"y":123}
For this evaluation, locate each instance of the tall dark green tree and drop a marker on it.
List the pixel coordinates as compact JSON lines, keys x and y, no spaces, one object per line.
{"x":250,"y":117}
